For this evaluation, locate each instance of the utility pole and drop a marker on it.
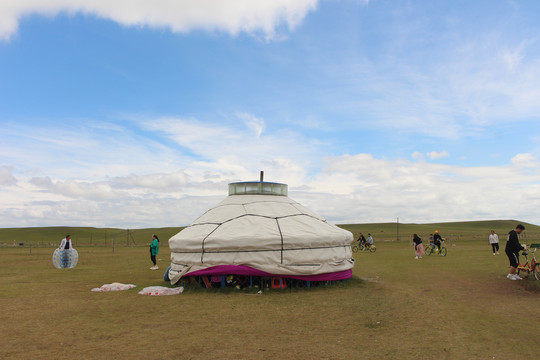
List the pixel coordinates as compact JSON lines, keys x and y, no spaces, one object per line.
{"x":129,"y":235}
{"x":398,"y":228}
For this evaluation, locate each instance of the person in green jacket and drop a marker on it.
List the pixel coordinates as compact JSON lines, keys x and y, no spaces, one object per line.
{"x":154,"y":250}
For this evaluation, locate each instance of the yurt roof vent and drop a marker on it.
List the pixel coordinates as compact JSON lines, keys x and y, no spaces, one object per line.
{"x":258,"y":188}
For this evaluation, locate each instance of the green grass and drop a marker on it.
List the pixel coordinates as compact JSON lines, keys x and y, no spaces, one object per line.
{"x":457,"y":307}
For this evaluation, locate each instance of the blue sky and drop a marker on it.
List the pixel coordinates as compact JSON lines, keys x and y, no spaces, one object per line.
{"x":136,"y":115}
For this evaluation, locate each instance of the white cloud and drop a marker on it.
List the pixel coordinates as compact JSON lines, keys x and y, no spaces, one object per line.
{"x":83,"y":149}
{"x":74,"y":188}
{"x":451,"y":84}
{"x":107,"y":167}
{"x":362,"y":188}
{"x":437,"y":155}
{"x":525,"y":160}
{"x":433,"y":155}
{"x":513,"y":57}
{"x":350,"y":188}
{"x":123,"y":179}
{"x":6,"y":177}
{"x":233,"y":149}
{"x":253,"y":122}
{"x":230,"y":16}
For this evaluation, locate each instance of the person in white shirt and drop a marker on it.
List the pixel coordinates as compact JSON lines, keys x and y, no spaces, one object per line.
{"x":66,"y":243}
{"x":494,"y":241}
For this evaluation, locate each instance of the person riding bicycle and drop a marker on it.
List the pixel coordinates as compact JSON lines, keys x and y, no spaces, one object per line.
{"x":437,"y":239}
{"x":431,"y":244}
{"x":361,"y":240}
{"x":369,"y":240}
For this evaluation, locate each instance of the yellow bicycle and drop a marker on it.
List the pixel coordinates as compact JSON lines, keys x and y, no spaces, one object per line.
{"x":433,"y":249}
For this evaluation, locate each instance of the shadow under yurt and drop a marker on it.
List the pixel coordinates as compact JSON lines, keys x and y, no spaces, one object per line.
{"x":258,"y":236}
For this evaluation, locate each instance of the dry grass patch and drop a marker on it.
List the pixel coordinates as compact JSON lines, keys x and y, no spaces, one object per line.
{"x":458,"y":307}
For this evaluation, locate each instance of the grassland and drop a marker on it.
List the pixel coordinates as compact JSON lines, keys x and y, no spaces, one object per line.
{"x":457,"y":307}
{"x":91,"y":236}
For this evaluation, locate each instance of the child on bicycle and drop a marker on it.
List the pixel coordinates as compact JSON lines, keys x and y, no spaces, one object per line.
{"x":361,"y":240}
{"x":369,"y":240}
{"x":437,"y":239}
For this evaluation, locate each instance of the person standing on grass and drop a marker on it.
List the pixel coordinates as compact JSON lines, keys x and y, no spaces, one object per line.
{"x":418,"y":246}
{"x":494,"y":241}
{"x":513,"y":247}
{"x":154,"y":250}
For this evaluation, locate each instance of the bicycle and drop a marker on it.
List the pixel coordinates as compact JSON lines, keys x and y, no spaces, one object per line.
{"x":534,"y":265}
{"x":434,"y":249}
{"x":362,"y":247}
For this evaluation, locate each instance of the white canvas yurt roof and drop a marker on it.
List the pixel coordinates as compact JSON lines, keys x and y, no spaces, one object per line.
{"x":259,"y":227}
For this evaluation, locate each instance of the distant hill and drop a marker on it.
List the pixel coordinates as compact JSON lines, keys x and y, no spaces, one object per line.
{"x":91,"y":236}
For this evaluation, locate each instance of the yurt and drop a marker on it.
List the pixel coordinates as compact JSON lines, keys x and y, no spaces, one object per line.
{"x":258,"y":231}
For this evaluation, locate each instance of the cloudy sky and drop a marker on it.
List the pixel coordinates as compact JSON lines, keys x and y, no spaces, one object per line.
{"x":138,"y":114}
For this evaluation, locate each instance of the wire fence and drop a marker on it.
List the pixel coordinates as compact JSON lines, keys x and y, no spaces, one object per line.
{"x":117,"y":238}
{"x":83,"y":237}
